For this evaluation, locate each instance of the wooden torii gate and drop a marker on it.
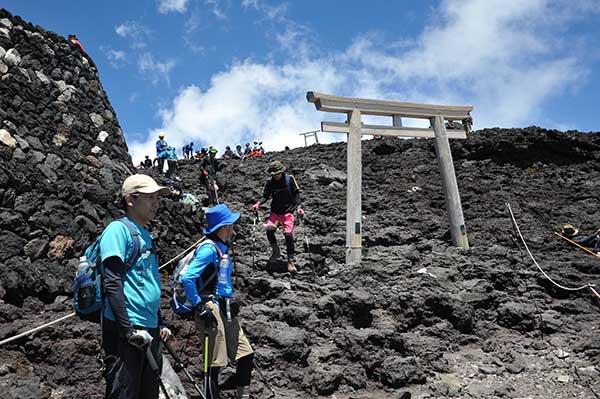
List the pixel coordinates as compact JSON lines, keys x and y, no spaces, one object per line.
{"x":437,"y":114}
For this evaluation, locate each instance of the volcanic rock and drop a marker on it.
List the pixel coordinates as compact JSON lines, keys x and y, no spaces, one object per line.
{"x":477,"y":323}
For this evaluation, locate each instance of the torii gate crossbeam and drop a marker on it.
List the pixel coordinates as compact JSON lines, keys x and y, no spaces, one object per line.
{"x":436,"y":114}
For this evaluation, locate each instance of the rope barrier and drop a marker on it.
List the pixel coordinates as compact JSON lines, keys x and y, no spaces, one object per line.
{"x":43,"y":326}
{"x":516,"y":226}
{"x":6,"y":341}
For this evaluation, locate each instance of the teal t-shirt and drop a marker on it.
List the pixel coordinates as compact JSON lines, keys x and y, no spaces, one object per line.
{"x":141,"y":283}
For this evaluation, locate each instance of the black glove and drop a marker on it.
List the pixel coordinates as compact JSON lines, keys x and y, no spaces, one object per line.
{"x":139,"y":338}
{"x":205,"y":314}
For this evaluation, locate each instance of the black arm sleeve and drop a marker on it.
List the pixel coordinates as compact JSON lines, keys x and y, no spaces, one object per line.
{"x":114,"y":269}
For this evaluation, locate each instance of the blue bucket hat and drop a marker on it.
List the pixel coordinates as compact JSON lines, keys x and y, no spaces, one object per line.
{"x":219,"y":216}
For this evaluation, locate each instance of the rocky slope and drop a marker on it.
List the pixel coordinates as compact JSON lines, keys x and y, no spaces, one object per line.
{"x":417,"y":318}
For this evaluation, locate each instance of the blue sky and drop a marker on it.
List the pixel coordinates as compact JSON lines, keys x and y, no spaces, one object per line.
{"x":224,"y":72}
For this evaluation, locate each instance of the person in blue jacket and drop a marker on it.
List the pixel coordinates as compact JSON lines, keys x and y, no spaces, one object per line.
{"x":208,"y":287}
{"x":131,"y":319}
{"x":161,"y":147}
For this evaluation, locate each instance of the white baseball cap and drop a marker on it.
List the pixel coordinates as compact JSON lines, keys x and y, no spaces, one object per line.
{"x":142,"y":184}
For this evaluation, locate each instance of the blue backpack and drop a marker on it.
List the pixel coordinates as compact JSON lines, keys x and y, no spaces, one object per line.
{"x":179,"y":302}
{"x":88,"y":295}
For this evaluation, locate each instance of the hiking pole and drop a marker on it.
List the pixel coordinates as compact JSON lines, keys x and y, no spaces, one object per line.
{"x":206,"y":376}
{"x":312,"y":268}
{"x":262,"y":377}
{"x":154,"y":368}
{"x":181,"y":365}
{"x":254,"y":236}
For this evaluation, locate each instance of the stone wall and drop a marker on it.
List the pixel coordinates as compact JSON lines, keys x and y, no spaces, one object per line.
{"x":62,"y":159}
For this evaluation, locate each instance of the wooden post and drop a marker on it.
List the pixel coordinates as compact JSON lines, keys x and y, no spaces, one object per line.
{"x":353,"y":190}
{"x":397,"y":121}
{"x":449,"y":184}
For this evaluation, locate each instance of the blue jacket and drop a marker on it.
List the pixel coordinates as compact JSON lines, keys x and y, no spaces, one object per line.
{"x":202,"y":267}
{"x":161,"y":145}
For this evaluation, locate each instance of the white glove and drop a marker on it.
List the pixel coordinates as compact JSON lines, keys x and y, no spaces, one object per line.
{"x":165,"y":333}
{"x":140,"y":338}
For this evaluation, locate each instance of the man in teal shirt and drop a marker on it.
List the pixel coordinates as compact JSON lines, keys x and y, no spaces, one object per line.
{"x":131,"y":318}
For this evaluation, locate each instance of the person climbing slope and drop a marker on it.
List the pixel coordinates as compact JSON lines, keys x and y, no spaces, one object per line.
{"x":208,"y":287}
{"x":283,"y":189}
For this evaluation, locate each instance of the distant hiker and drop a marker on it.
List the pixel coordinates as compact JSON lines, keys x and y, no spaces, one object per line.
{"x":171,"y":156}
{"x":190,"y":149}
{"x":161,"y":148}
{"x":228,"y":153}
{"x":287,"y":148}
{"x":238,"y":154}
{"x":208,"y":287}
{"x":468,"y":123}
{"x":184,"y":151}
{"x":248,"y":149}
{"x":73,"y":39}
{"x":132,"y":319}
{"x":591,"y":241}
{"x":147,"y":162}
{"x":209,"y":168}
{"x":285,"y":194}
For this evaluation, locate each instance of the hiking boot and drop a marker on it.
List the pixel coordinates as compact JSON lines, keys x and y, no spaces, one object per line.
{"x":292,"y":267}
{"x":276,"y":254}
{"x":243,"y":392}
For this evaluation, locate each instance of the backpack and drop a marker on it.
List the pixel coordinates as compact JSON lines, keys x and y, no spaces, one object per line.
{"x":88,"y":295}
{"x":288,"y":184}
{"x":179,"y":301}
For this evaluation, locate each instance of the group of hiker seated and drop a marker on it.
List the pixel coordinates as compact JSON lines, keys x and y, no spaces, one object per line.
{"x":591,"y":242}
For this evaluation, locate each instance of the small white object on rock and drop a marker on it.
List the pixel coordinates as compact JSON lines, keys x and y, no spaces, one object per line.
{"x":3,"y":68}
{"x":102,"y":136}
{"x":43,"y":78}
{"x":561,"y":354}
{"x":96,"y":150}
{"x":7,"y":139}
{"x":13,"y":57}
{"x":563,"y":378}
{"x":423,"y":270}
{"x":97,"y":119}
{"x":6,"y":22}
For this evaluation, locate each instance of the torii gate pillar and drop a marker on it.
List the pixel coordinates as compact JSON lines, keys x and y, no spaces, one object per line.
{"x":449,"y":184}
{"x":353,"y":193}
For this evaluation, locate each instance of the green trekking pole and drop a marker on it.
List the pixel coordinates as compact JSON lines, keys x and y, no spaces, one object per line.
{"x":206,"y":375}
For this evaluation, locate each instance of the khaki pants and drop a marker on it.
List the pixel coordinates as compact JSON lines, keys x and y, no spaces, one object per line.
{"x":225,"y":340}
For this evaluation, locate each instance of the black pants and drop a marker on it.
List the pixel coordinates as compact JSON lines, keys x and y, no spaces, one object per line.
{"x":127,"y":372}
{"x":243,"y":375}
{"x":172,"y":167}
{"x":289,"y":242}
{"x":161,"y":164}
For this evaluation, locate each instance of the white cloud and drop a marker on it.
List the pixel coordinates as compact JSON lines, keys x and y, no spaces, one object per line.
{"x":167,"y":6}
{"x":216,"y":8}
{"x":136,"y":32}
{"x":154,"y":70}
{"x":116,"y":58}
{"x":507,"y":63}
